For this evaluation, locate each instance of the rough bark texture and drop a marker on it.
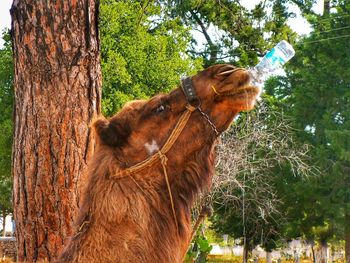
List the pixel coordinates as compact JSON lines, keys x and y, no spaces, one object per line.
{"x":57,"y":93}
{"x":8,"y":249}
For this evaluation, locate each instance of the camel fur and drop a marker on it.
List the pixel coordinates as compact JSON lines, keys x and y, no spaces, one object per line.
{"x":130,"y":219}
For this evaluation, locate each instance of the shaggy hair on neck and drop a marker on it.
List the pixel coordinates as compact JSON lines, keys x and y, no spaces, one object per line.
{"x":130,"y":219}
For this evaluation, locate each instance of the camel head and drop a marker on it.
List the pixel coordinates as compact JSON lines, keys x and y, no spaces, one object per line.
{"x":142,"y":127}
{"x":134,"y":210}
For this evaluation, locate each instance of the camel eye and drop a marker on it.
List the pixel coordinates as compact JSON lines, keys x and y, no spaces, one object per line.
{"x":160,"y":109}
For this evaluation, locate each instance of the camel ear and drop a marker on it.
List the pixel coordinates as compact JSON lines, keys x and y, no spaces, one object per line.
{"x":107,"y":132}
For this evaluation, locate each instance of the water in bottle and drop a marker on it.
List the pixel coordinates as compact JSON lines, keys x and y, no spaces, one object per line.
{"x":273,"y":60}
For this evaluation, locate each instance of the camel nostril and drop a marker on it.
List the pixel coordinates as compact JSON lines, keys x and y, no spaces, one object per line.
{"x":225,"y":70}
{"x":244,"y":79}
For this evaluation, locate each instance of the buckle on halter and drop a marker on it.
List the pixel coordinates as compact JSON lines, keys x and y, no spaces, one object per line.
{"x":190,"y":92}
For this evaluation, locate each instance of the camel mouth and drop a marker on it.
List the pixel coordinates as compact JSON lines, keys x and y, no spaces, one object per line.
{"x":246,"y":91}
{"x":238,"y":84}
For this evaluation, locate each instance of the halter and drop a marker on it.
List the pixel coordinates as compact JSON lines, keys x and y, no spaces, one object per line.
{"x":192,"y":99}
{"x":193,"y":103}
{"x":190,"y":92}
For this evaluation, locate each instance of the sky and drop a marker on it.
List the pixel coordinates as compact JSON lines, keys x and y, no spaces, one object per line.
{"x":5,"y":18}
{"x":298,"y":23}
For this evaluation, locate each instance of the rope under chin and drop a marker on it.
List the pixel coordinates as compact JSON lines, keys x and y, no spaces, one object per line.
{"x":160,"y":155}
{"x":192,"y":98}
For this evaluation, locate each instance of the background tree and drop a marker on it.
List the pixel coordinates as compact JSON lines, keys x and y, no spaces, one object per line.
{"x":145,"y":46}
{"x":6,"y":97}
{"x":142,"y":54}
{"x":316,"y":94}
{"x":232,"y":32}
{"x":57,"y":93}
{"x":247,"y":202}
{"x":237,"y":35}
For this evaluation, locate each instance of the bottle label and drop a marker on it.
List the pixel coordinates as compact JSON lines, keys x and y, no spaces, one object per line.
{"x":275,"y":57}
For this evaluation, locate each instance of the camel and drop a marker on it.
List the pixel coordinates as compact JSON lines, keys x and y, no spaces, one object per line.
{"x":151,"y":161}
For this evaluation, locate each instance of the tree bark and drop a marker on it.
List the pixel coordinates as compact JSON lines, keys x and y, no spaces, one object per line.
{"x":245,"y":253}
{"x":213,"y":48}
{"x":347,"y":238}
{"x":3,"y":223}
{"x":57,"y":94}
{"x":326,"y":7}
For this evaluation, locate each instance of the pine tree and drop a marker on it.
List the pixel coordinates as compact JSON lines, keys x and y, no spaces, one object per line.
{"x":57,"y":93}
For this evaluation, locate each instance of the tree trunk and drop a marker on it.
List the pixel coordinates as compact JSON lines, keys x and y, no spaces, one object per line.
{"x":3,"y":223}
{"x":322,"y":253}
{"x":245,"y":253}
{"x":347,"y":238}
{"x":296,"y":257}
{"x":213,"y":48}
{"x":313,"y":252}
{"x":268,"y":257}
{"x":326,"y":7}
{"x":57,"y":93}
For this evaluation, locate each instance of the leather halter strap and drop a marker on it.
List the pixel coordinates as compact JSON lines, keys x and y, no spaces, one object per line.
{"x":194,"y":101}
{"x":166,"y":147}
{"x":147,"y":163}
{"x":160,"y":155}
{"x":190,"y":92}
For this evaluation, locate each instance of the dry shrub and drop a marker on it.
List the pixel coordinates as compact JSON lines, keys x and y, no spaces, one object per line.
{"x":249,"y":151}
{"x":257,"y":144}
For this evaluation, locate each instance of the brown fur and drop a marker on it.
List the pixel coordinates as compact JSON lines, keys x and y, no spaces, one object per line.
{"x":133,"y":222}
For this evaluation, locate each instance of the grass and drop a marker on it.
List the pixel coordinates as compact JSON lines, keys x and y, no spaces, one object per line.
{"x":226,"y":258}
{"x":238,"y":259}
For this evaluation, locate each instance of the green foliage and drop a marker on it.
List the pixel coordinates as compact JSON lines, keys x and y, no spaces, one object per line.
{"x":248,"y":204}
{"x":140,"y":56}
{"x":241,"y":35}
{"x":199,"y":249}
{"x":316,"y":93}
{"x":6,"y":98}
{"x":145,"y":47}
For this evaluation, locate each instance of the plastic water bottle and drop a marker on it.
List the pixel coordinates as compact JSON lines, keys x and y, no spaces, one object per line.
{"x":273,"y":60}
